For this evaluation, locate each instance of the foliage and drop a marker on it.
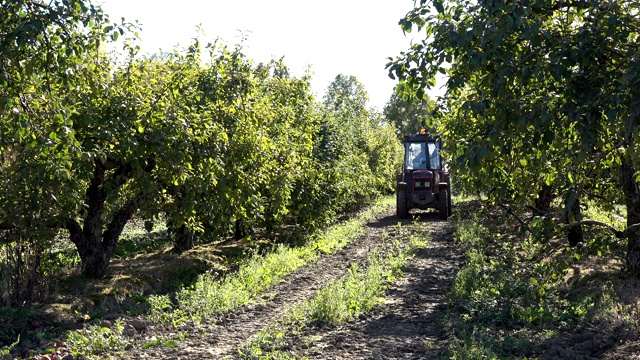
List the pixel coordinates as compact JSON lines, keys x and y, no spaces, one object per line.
{"x":540,"y":94}
{"x":355,"y":154}
{"x":409,"y":115}
{"x":89,"y":139}
{"x":96,"y":340}
{"x":513,"y":294}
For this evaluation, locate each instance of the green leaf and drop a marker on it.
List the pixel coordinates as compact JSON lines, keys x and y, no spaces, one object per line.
{"x":438,"y":5}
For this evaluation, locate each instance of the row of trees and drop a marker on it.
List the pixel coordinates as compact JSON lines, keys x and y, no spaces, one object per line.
{"x":542,"y":100}
{"x":88,"y":140}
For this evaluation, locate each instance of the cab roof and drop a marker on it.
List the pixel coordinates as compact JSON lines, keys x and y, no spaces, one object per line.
{"x":421,"y":137}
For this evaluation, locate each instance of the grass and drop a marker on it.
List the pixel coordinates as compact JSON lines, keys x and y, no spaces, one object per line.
{"x":223,"y":276}
{"x":519,"y":297}
{"x":213,"y":294}
{"x":341,"y":300}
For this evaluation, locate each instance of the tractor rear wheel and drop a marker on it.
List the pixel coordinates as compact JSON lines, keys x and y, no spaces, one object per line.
{"x":402,"y":207}
{"x":443,"y":204}
{"x":449,"y":200}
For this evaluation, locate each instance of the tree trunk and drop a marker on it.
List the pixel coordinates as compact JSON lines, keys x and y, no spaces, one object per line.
{"x":184,"y":238}
{"x":543,"y":201}
{"x":94,"y":242}
{"x":575,"y":235}
{"x":240,"y":230}
{"x":573,"y":214}
{"x":632,"y":200}
{"x":95,"y":246}
{"x":88,"y":238}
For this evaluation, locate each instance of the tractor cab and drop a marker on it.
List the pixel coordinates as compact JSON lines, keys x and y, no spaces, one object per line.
{"x":423,"y":183}
{"x":422,"y":153}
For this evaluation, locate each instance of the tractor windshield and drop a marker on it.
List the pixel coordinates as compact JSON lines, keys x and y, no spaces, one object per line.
{"x":417,"y":154}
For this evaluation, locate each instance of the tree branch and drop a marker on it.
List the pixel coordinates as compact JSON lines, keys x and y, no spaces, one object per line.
{"x":630,"y":229}
{"x":570,"y":4}
{"x":522,"y":222}
{"x":120,"y":218}
{"x":618,"y":233}
{"x":75,"y":231}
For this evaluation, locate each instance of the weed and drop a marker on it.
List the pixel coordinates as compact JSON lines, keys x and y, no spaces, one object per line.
{"x":466,"y":347}
{"x":343,"y":300}
{"x":159,"y":305}
{"x":514,"y":288}
{"x":358,"y":291}
{"x":159,"y":342}
{"x":95,"y":339}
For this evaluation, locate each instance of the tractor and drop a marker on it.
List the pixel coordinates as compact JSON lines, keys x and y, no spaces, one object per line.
{"x":424,"y":182}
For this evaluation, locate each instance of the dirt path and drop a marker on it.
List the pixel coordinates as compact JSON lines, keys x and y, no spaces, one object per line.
{"x":405,"y":327}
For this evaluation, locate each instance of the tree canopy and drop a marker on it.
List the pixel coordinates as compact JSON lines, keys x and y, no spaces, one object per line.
{"x":89,"y":140}
{"x":539,"y":94}
{"x":409,"y":114}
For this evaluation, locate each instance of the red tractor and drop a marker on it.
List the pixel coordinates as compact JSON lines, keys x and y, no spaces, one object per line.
{"x":424,"y":182}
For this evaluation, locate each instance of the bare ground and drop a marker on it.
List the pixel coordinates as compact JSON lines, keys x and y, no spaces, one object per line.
{"x":406,"y":327}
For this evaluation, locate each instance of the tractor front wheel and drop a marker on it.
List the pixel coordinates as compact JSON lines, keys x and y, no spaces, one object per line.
{"x":443,"y":204}
{"x":402,"y":208}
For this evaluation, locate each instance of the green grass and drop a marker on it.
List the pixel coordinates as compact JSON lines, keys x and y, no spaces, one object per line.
{"x":341,"y":300}
{"x":358,"y":292}
{"x":198,"y":296}
{"x":212,"y":295}
{"x":512,"y":296}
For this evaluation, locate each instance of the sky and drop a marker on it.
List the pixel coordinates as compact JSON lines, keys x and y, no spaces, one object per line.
{"x":350,"y":37}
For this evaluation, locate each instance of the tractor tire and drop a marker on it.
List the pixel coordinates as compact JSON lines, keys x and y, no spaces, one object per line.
{"x":449,"y":200}
{"x":443,"y":204}
{"x":402,"y":207}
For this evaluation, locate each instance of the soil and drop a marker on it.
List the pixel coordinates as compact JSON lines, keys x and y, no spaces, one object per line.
{"x":405,"y":327}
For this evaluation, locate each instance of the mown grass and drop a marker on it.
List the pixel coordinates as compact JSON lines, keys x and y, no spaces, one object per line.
{"x":520,"y":296}
{"x":213,"y":294}
{"x":341,"y":300}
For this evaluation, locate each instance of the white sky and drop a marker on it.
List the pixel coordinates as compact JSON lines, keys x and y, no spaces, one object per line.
{"x":352,"y":37}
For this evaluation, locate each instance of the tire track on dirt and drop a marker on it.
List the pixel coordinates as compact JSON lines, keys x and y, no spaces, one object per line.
{"x":222,"y":338}
{"x":408,"y":325}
